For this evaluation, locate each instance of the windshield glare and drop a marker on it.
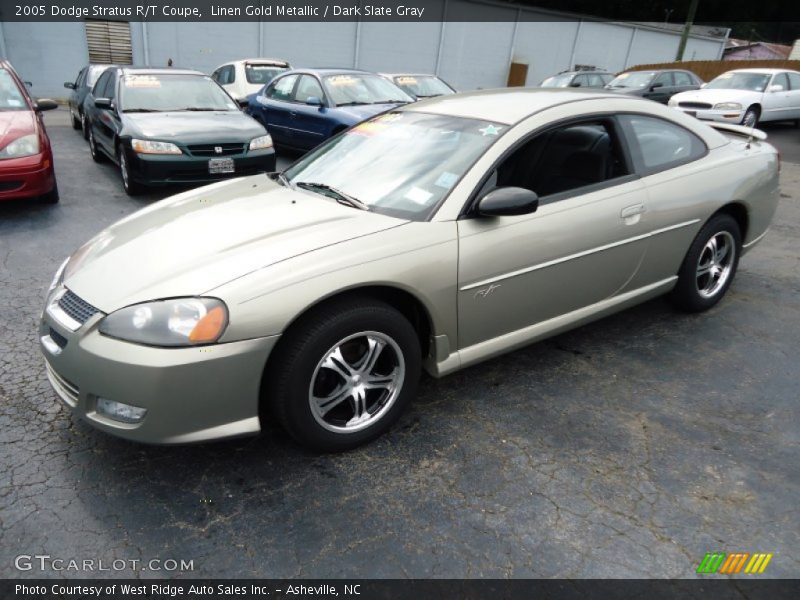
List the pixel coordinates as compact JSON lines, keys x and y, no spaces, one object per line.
{"x":261,"y":74}
{"x":358,"y":88}
{"x":557,"y":81}
{"x":163,"y":93}
{"x":422,"y":86}
{"x":756,"y":82}
{"x":399,"y":164}
{"x":635,"y":79}
{"x":10,"y":95}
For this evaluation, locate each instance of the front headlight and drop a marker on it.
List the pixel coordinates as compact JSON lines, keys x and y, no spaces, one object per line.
{"x":728,"y":106}
{"x":672,"y":101}
{"x":176,"y":322}
{"x":27,"y":145}
{"x":151,"y":147}
{"x":260,"y":143}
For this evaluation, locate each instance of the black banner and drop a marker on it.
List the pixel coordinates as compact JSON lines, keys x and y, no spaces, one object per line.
{"x":655,"y":11}
{"x":79,"y":589}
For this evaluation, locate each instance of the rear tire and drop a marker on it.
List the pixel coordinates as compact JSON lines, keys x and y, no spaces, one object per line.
{"x":85,"y":126}
{"x":709,"y":266}
{"x":344,"y":374}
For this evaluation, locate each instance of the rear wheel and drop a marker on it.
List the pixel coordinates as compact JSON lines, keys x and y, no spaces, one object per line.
{"x":85,"y":126}
{"x":751,"y":116}
{"x":344,"y":374}
{"x":710,"y":265}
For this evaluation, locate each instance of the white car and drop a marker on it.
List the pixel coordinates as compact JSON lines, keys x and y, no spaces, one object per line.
{"x":746,"y":96}
{"x":241,"y":78}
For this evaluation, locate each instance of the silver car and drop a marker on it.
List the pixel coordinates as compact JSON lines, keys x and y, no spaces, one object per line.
{"x":431,"y":237}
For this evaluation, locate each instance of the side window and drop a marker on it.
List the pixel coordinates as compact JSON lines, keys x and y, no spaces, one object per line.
{"x":230,"y":75}
{"x":217,"y":76}
{"x":81,"y":77}
{"x":660,"y":144}
{"x":282,"y":88}
{"x":100,"y":86}
{"x":579,"y":81}
{"x":111,"y":87}
{"x":595,"y":81}
{"x":682,"y":78}
{"x":664,"y":79}
{"x":794,"y":81}
{"x":781,"y":79}
{"x":563,"y":159}
{"x":607,"y":79}
{"x":307,"y":88}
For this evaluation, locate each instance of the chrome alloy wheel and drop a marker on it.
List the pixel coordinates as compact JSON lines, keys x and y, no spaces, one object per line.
{"x":356,"y":382}
{"x":715,"y":264}
{"x":123,"y":168}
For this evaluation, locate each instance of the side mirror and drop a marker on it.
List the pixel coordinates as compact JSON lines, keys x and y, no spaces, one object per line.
{"x":314,"y":101}
{"x":776,"y":88}
{"x":575,"y":84}
{"x":69,"y":85}
{"x":656,"y":85}
{"x":43,"y":104}
{"x":28,"y":83}
{"x":702,"y":85}
{"x":508,"y":201}
{"x":103,"y":103}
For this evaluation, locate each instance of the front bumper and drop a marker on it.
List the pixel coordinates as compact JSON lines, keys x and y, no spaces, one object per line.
{"x":190,"y":394}
{"x":723,"y":116}
{"x":26,"y":177}
{"x":167,"y":169}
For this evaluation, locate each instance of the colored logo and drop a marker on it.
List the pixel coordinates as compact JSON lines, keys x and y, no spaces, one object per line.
{"x":732,"y":564}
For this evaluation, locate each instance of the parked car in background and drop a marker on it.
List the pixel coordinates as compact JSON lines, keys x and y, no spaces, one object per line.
{"x":167,"y":126}
{"x":435,"y":236}
{"x":659,"y":86}
{"x":746,"y":96}
{"x":26,"y":159}
{"x":304,"y":107}
{"x":242,"y":78}
{"x":82,"y":85}
{"x":420,"y":86}
{"x":585,"y":79}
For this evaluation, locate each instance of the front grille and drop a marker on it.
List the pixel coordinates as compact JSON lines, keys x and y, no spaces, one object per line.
{"x":68,"y":391}
{"x":59,"y":339}
{"x":77,"y":309}
{"x":210,"y":150}
{"x":697,"y":105}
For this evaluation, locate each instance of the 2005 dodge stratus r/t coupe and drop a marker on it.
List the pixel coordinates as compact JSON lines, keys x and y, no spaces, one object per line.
{"x":434,"y":236}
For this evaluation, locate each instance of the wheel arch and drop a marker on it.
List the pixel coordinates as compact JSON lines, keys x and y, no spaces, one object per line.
{"x":737,"y":210}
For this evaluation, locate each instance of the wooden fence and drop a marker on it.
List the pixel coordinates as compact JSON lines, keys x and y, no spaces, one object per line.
{"x":708,"y":69}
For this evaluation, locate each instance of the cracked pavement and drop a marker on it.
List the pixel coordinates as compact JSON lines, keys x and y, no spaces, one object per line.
{"x":626,"y":448}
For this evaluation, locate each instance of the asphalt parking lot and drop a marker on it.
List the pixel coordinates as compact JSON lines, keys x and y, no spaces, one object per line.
{"x":626,"y":448}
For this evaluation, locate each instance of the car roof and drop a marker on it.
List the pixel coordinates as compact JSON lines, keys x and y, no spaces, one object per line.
{"x":505,"y":105}
{"x":334,"y":71}
{"x":409,"y":75}
{"x":157,"y":71}
{"x":765,"y":71}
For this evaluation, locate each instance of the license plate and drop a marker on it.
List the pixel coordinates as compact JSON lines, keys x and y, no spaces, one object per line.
{"x":220,"y":165}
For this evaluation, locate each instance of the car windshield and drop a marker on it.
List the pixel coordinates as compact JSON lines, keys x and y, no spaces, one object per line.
{"x":634,"y":79}
{"x":11,"y":97}
{"x":359,"y":88}
{"x":422,"y":86}
{"x":261,"y":74}
{"x":400,"y":164}
{"x":167,"y":92}
{"x":94,"y":73}
{"x":756,"y":82}
{"x":557,"y":81}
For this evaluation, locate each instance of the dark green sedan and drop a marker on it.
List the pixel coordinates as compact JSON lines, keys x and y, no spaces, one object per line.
{"x":172,"y":126}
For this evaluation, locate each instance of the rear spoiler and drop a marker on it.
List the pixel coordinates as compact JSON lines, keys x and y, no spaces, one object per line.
{"x":748,"y":132}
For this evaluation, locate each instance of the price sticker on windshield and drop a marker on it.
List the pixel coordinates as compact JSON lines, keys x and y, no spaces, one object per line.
{"x":341,"y":80}
{"x":406,"y":81}
{"x":142,"y":81}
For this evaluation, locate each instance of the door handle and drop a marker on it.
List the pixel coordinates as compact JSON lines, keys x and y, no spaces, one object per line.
{"x":631,"y":211}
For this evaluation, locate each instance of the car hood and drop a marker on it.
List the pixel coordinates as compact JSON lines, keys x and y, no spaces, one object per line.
{"x":716,"y":96}
{"x":194,"y":127}
{"x":360,"y":113}
{"x":194,"y":242}
{"x":628,"y":91}
{"x":14,"y":124}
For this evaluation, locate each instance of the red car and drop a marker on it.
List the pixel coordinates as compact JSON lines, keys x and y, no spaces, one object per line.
{"x":26,"y":159}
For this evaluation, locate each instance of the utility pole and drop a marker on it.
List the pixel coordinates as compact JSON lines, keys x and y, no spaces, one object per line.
{"x":686,"y":29}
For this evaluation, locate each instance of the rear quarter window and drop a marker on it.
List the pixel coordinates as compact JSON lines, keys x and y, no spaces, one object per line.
{"x":658,"y":144}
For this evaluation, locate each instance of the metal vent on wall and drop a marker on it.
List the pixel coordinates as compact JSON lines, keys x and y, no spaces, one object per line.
{"x":109,"y":42}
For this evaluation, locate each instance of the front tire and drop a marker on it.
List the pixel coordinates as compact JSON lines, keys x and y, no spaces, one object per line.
{"x":76,"y":123}
{"x":132,"y":188}
{"x":344,"y":374}
{"x":97,"y":156}
{"x":751,"y":116}
{"x":710,"y":265}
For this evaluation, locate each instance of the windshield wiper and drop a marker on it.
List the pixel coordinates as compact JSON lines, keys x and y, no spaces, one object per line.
{"x":338,"y":195}
{"x":140,"y":110}
{"x":283,"y":180}
{"x":353,"y":103}
{"x":200,"y":109}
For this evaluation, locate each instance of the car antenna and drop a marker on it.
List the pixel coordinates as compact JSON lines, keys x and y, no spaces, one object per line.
{"x":750,"y":136}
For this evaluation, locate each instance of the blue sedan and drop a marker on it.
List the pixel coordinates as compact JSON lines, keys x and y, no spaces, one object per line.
{"x":304,"y":107}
